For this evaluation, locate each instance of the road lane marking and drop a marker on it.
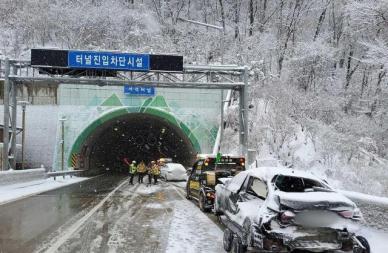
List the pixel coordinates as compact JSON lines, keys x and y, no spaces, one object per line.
{"x":178,"y":191}
{"x":73,"y":228}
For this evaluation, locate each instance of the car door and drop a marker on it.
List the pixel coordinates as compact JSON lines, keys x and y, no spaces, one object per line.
{"x":252,"y":194}
{"x":232,"y":191}
{"x":254,"y":187}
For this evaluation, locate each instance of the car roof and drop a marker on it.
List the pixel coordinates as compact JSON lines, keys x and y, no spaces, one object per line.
{"x":204,"y":156}
{"x":267,"y":173}
{"x":174,"y":165}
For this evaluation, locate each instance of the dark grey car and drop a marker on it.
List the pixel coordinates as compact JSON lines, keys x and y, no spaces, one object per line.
{"x":282,"y":210}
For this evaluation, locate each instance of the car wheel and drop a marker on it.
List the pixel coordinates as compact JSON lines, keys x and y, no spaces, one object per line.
{"x":188,"y":196}
{"x":217,"y":211}
{"x":202,"y":203}
{"x":237,"y":246}
{"x":364,"y":243}
{"x":227,"y":240}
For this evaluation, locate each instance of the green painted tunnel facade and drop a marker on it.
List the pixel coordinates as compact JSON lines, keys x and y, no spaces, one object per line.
{"x":194,"y":112}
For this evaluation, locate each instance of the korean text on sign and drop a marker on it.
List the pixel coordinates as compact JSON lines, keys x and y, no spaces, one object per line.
{"x":108,"y":60}
{"x":139,"y":90}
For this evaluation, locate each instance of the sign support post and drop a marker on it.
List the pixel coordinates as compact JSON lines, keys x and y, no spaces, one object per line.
{"x":245,"y":113}
{"x":6,"y":116}
{"x":13,"y":119}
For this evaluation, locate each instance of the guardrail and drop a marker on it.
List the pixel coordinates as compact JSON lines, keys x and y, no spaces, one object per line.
{"x":55,"y":174}
{"x":365,"y":198}
{"x":373,"y":208}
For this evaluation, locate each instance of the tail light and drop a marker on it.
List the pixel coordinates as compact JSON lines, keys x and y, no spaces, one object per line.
{"x":210,"y":195}
{"x":286,"y":217}
{"x":346,"y":214}
{"x":351,"y":214}
{"x":242,"y":161}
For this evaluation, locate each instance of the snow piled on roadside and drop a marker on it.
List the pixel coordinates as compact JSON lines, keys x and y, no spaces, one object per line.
{"x":191,"y":231}
{"x":15,"y":192}
{"x":377,"y":240}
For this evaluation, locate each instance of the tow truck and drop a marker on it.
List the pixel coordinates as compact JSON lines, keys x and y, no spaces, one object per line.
{"x":205,"y":174}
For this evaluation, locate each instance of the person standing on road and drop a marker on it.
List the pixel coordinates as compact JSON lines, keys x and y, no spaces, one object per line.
{"x":132,"y":172}
{"x":155,"y":171}
{"x":141,"y":170}
{"x":149,"y":172}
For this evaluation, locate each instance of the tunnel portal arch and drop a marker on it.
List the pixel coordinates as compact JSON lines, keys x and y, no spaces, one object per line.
{"x":95,"y":141}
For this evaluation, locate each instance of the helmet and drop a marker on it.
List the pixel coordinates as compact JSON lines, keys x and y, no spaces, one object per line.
{"x":152,"y":161}
{"x":133,"y":161}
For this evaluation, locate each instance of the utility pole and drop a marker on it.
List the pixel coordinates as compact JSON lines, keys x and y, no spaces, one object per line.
{"x":246,"y":111}
{"x":221,"y":29}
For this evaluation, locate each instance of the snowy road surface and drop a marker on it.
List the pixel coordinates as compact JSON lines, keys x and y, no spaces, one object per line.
{"x":105,"y":214}
{"x":108,"y":217}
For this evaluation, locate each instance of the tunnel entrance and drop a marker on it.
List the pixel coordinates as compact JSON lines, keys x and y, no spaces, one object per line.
{"x":136,"y":136}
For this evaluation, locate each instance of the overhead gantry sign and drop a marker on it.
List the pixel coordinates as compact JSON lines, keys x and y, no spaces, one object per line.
{"x":105,"y":68}
{"x":66,"y":61}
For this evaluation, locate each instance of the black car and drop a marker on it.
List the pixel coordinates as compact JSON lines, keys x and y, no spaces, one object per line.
{"x":205,"y":174}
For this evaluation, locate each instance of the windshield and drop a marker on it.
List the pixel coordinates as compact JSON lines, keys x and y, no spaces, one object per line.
{"x":297,"y":184}
{"x":226,"y":166}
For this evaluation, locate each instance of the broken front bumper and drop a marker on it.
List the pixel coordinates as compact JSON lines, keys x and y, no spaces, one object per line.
{"x":300,"y":238}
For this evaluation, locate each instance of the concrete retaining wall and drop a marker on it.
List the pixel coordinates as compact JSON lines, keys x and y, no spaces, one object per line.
{"x":41,"y":132}
{"x":21,"y":176}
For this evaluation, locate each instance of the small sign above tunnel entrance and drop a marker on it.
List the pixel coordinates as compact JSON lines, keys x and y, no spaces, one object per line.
{"x":139,"y":90}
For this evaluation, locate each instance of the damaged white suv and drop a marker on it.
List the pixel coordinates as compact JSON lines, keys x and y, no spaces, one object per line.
{"x":282,"y":210}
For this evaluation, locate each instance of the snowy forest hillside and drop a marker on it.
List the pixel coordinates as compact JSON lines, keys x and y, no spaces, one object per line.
{"x":318,"y":67}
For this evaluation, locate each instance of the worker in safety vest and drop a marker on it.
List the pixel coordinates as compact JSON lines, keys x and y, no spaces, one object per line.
{"x":141,"y":170}
{"x":132,"y":171}
{"x":149,"y":172}
{"x":155,"y":171}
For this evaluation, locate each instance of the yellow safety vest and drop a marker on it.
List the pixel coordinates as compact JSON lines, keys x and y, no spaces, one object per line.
{"x":155,"y":170}
{"x":141,"y":168}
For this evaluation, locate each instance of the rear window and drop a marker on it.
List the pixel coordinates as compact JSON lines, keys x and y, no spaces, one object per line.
{"x":233,"y":166}
{"x":295,"y":184}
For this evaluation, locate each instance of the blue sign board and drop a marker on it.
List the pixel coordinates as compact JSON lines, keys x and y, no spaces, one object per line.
{"x":139,"y":90}
{"x":108,"y":60}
